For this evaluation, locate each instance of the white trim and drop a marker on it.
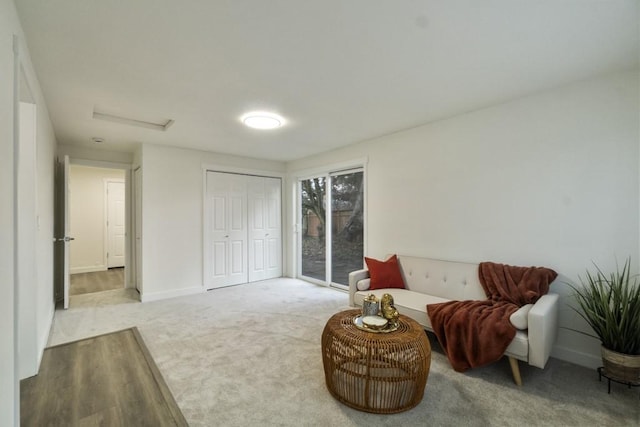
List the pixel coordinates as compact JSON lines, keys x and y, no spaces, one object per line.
{"x":128,"y":236}
{"x":242,"y":171}
{"x":128,"y":182}
{"x":100,"y":164}
{"x":579,"y":358}
{"x":16,"y":270}
{"x":205,"y":210}
{"x":301,"y":174}
{"x":155,"y":296}
{"x":328,"y":229}
{"x":205,"y":230}
{"x":335,"y":169}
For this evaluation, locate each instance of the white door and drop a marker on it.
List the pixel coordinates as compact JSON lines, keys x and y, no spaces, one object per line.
{"x":115,"y":224}
{"x":137,"y":177}
{"x":265,"y":241}
{"x":226,"y":230}
{"x":62,"y":238}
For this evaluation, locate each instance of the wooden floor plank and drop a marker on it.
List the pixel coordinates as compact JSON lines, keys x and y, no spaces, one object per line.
{"x":106,"y":380}
{"x":98,"y":281}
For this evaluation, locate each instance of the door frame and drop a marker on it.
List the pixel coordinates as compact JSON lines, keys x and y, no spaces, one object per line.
{"x":136,"y":229}
{"x":129,"y":277}
{"x":296,"y":242}
{"x":205,"y":220}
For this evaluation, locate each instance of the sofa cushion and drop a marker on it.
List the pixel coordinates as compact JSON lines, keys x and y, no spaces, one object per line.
{"x":519,"y":347}
{"x":384,"y":274}
{"x":413,"y":304}
{"x":520,"y":318}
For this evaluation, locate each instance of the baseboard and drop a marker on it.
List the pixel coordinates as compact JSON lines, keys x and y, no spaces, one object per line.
{"x":587,"y":360}
{"x":91,"y":269}
{"x":155,"y":296}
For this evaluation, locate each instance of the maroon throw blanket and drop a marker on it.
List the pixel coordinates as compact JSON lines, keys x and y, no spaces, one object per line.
{"x":476,"y":333}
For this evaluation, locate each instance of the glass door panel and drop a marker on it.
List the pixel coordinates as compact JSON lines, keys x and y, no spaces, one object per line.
{"x":313,"y":236}
{"x":347,"y":225}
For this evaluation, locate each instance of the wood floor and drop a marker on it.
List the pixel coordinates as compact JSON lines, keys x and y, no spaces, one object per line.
{"x":109,"y":380}
{"x":85,"y":283}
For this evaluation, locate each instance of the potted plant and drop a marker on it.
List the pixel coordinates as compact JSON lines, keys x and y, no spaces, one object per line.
{"x":611,"y":306}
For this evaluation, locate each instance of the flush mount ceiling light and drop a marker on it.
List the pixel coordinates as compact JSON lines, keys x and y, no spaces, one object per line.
{"x":262,"y":120}
{"x":97,"y":140}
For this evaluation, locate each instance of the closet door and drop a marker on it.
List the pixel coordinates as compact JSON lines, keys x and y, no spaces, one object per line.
{"x":265,"y":228}
{"x":227,"y":229}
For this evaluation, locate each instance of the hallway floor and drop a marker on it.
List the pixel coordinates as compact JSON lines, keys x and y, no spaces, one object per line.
{"x":99,"y":281}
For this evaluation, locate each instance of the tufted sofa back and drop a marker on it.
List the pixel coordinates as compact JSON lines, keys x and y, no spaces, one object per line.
{"x":446,"y":279}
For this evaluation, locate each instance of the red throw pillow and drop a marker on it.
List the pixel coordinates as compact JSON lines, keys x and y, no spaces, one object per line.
{"x":384,"y":274}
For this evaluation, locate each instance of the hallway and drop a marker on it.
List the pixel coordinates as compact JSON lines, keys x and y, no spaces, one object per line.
{"x":99,"y":281}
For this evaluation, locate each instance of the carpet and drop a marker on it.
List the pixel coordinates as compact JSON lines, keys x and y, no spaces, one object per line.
{"x":249,"y":355}
{"x":106,"y":380}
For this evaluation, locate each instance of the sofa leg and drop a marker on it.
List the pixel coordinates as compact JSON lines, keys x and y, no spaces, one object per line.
{"x":515,"y":370}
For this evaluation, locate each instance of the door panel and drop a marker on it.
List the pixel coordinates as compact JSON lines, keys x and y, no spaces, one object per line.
{"x":347,"y":225}
{"x":273,"y":220}
{"x":265,"y":260}
{"x":62,"y":238}
{"x":219,"y":259}
{"x":243,"y":229}
{"x":227,"y":230}
{"x":238,"y":258}
{"x":115,"y":224}
{"x":312,"y":236}
{"x":332,"y":213}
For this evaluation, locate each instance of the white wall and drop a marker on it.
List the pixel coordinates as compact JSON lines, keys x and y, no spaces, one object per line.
{"x":26,"y":220}
{"x":87,"y":216}
{"x":8,"y":375}
{"x":40,"y":296}
{"x":172,"y":224}
{"x":551,"y":180}
{"x":95,"y":154}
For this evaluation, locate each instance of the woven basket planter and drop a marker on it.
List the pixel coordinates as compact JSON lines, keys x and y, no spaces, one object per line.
{"x":621,"y":367}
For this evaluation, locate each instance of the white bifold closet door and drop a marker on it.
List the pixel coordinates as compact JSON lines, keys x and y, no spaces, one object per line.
{"x":243,"y":241}
{"x":265,"y":231}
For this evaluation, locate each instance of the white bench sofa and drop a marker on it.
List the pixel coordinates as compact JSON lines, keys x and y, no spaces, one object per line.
{"x":430,"y":281}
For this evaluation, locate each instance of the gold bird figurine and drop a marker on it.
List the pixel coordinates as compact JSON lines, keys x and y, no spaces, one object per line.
{"x":388,"y":310}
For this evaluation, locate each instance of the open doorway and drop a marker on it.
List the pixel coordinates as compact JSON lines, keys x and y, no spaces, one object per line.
{"x":97,"y":212}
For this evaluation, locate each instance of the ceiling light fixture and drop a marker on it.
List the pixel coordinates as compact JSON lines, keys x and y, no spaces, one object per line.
{"x":97,"y":140}
{"x":262,"y":120}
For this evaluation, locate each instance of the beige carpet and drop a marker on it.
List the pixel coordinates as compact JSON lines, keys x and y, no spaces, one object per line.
{"x":250,"y":355}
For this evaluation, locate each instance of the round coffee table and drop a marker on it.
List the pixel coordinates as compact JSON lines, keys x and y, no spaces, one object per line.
{"x":382,"y":373}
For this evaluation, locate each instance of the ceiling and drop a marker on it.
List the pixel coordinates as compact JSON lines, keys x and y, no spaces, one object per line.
{"x":339,"y":71}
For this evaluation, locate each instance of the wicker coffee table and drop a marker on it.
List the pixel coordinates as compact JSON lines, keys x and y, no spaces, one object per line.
{"x":382,"y":373}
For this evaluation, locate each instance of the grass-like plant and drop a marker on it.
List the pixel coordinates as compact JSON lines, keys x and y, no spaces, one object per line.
{"x":611,"y":306}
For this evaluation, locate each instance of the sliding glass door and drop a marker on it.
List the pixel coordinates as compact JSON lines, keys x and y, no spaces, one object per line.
{"x":313,"y":243}
{"x":347,"y":225}
{"x":331,"y":240}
